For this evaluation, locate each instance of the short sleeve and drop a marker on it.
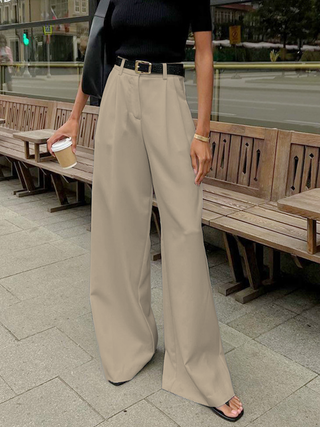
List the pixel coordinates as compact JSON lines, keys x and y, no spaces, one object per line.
{"x":200,"y":16}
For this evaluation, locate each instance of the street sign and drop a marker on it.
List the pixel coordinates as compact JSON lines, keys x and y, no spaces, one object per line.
{"x":47,"y":29}
{"x":235,"y":34}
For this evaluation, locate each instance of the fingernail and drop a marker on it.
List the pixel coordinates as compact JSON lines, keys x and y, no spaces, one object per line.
{"x":195,"y":171}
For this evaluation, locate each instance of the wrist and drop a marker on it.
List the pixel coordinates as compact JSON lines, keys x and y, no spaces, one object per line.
{"x":74,"y":117}
{"x":203,"y":131}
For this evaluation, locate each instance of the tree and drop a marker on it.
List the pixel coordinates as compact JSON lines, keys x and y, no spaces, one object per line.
{"x":290,"y":20}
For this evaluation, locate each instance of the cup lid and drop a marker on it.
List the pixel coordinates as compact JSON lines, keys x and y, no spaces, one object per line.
{"x":61,"y":144}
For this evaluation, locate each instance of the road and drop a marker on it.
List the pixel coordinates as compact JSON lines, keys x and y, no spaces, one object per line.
{"x":271,"y":99}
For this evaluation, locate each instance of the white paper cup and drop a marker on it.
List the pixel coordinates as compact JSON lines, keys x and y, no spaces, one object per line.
{"x":63,"y":152}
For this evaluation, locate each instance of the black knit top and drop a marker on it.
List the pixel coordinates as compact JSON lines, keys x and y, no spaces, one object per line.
{"x":155,"y":30}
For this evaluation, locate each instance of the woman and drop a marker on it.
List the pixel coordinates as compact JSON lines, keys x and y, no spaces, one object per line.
{"x":145,"y":139}
{"x":6,"y":58}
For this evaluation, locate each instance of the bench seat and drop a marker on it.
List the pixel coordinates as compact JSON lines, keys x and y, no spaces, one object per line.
{"x":268,"y":226}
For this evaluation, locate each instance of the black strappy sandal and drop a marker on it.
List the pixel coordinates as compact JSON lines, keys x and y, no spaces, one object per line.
{"x":122,"y":382}
{"x":118,"y":383}
{"x":224,"y":416}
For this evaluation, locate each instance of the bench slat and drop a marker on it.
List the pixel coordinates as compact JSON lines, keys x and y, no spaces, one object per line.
{"x":241,"y":197}
{"x":264,"y":236}
{"x":275,"y":226}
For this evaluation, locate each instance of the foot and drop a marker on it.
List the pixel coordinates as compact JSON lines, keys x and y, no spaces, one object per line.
{"x":233,"y":409}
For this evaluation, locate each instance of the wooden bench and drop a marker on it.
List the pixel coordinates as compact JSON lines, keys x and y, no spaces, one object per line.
{"x":252,"y":168}
{"x":265,"y":225}
{"x":19,"y":113}
{"x":27,"y":116}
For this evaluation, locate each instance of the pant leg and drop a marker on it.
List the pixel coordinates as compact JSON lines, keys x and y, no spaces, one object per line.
{"x":120,"y":288}
{"x":194,"y":362}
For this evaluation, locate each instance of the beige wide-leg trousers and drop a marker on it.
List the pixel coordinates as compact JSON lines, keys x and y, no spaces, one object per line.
{"x":143,"y":139}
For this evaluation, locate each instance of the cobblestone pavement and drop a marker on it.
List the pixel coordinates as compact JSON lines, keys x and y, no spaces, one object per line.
{"x":50,"y":373}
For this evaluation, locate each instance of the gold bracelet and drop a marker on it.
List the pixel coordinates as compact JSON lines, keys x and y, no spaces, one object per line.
{"x":202,"y":138}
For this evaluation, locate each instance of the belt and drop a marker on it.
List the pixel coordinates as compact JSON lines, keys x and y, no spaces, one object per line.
{"x":145,"y":67}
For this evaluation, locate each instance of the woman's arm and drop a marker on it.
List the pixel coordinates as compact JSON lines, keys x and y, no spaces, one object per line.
{"x":71,"y":127}
{"x":79,"y":103}
{"x":204,"y":71}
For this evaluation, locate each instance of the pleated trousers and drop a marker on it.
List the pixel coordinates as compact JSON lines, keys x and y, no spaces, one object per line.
{"x":142,"y":141}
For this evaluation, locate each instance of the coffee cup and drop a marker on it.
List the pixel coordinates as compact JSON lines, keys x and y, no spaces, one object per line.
{"x":63,"y":152}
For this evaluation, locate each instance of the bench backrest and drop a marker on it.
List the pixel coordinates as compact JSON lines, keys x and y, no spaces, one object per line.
{"x":243,"y":158}
{"x":297,"y":163}
{"x":88,"y":122}
{"x":23,"y":114}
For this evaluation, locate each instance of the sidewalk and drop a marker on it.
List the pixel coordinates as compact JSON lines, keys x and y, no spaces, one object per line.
{"x":50,"y":373}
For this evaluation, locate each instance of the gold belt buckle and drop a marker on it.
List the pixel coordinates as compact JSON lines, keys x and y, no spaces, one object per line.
{"x":136,"y":65}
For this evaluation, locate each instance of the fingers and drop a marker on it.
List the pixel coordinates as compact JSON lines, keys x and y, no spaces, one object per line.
{"x":194,"y":162}
{"x":74,"y":144}
{"x":204,"y":168}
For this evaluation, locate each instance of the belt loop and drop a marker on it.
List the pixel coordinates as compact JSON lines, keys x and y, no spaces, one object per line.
{"x":164,"y":68}
{"x":121,"y":65}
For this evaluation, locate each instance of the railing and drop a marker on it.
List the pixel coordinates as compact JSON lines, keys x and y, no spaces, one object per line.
{"x":240,"y":76}
{"x":220,"y":67}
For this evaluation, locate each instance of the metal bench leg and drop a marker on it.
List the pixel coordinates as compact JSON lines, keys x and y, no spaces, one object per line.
{"x":235,"y":264}
{"x":62,"y":196}
{"x":274,"y":267}
{"x":252,"y":268}
{"x":13,"y":172}
{"x":26,"y":181}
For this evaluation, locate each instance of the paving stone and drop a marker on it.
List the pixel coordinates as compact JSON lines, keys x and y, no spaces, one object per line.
{"x":232,"y":337}
{"x":26,"y":239}
{"x":82,"y":210}
{"x":298,"y":339}
{"x":32,"y":206}
{"x":220,"y":273}
{"x":68,"y":224}
{"x":299,"y":409}
{"x":6,"y":337}
{"x":88,"y":381}
{"x":7,"y":227}
{"x":16,"y":262}
{"x":43,"y":214}
{"x":56,"y":217}
{"x":37,"y":314}
{"x":15,"y":218}
{"x":313,"y":313}
{"x":6,"y":298}
{"x":78,"y":235}
{"x":262,"y":320}
{"x":216,"y":257}
{"x":81,"y":330}
{"x":156,"y":275}
{"x":300,"y":300}
{"x":160,"y":346}
{"x":13,"y":200}
{"x":142,"y":414}
{"x":50,"y":405}
{"x":6,"y":393}
{"x":39,"y":358}
{"x":47,"y":278}
{"x":315,"y":384}
{"x":157,"y":305}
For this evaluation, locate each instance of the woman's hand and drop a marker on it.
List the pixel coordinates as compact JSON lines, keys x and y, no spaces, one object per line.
{"x":200,"y":155}
{"x":69,"y":129}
